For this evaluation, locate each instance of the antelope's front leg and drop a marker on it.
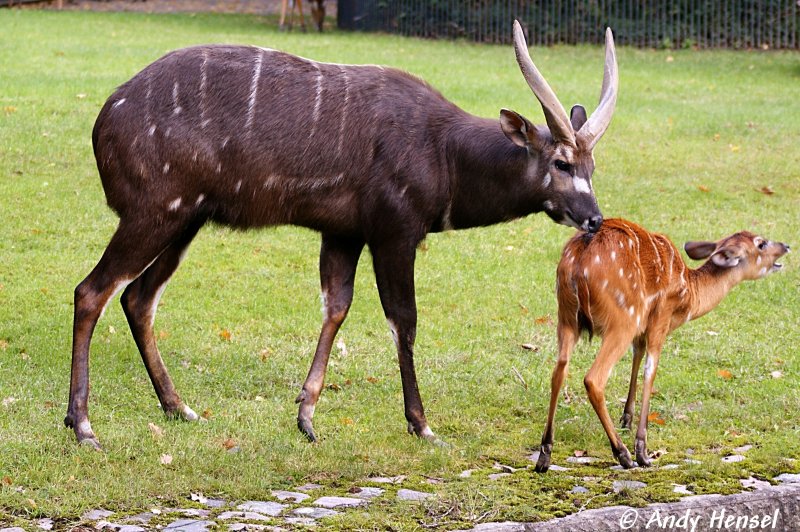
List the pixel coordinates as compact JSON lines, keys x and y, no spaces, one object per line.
{"x":394,"y":273}
{"x":338,"y":260}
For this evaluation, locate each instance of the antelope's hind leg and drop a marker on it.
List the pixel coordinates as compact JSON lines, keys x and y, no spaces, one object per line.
{"x":131,"y":250}
{"x":628,"y":411}
{"x":338,"y":260}
{"x":140,"y":302}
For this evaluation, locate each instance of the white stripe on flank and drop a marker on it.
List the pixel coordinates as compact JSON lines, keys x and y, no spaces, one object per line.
{"x":118,"y":103}
{"x":173,"y":206}
{"x":344,"y":112}
{"x":176,"y":108}
{"x":251,"y":107}
{"x":203,"y":121}
{"x":317,"y":102}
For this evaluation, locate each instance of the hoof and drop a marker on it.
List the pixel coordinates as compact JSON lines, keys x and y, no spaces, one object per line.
{"x":543,"y":463}
{"x":90,"y":442}
{"x":305,"y":426}
{"x":641,"y":454}
{"x":182,"y":412}
{"x":625,"y":421}
{"x":624,"y":458}
{"x":426,"y":434}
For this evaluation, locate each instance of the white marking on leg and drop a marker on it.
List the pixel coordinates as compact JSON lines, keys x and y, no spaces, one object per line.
{"x":323,"y":298}
{"x":174,"y":204}
{"x":85,"y":427}
{"x":120,"y":286}
{"x":251,"y":106}
{"x":154,"y":305}
{"x":166,"y":168}
{"x":581,"y":185}
{"x":393,"y":329}
{"x":189,"y":414}
{"x":649,"y":368}
{"x":427,"y":433}
{"x":118,"y":103}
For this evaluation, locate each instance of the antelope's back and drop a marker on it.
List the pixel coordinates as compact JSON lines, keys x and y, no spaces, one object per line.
{"x":617,"y":272}
{"x":291,"y":140}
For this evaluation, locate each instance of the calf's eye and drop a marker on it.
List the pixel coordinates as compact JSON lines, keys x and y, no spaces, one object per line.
{"x":563,"y":165}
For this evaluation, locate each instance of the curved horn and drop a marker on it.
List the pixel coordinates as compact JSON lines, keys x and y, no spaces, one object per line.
{"x":554,"y":113}
{"x":597,"y":124}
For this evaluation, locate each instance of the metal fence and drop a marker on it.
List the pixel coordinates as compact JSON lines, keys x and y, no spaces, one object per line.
{"x":648,"y":23}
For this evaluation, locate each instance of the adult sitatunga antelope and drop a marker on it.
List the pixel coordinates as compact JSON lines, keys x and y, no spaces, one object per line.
{"x":631,"y":287}
{"x":251,"y":137}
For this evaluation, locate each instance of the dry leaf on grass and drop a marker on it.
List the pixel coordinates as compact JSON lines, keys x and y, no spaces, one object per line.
{"x":166,"y":459}
{"x":655,"y":417}
{"x":155,"y":430}
{"x":725,"y":374}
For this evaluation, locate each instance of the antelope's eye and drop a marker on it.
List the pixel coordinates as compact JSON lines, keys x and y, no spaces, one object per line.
{"x":762,"y":245}
{"x":563,"y":165}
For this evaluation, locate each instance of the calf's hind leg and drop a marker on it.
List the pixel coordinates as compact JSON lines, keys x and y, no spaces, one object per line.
{"x":338,"y":260}
{"x":140,"y":302}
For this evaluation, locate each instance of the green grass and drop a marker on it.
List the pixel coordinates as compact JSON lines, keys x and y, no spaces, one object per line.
{"x":695,"y":137}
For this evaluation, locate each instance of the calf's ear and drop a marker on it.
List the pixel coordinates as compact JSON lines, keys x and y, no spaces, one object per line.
{"x":699,"y":250}
{"x":726,"y":257}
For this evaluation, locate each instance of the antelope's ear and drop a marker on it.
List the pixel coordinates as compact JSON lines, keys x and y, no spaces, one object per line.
{"x":577,"y":117}
{"x":726,"y":257}
{"x":699,"y":250}
{"x":518,"y":129}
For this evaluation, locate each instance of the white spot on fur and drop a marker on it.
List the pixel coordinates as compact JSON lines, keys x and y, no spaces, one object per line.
{"x":219,"y":168}
{"x":200,"y":199}
{"x":393,"y":329}
{"x":118,"y":103}
{"x":621,"y":245}
{"x":581,"y":185}
{"x":758,"y":261}
{"x":225,"y":142}
{"x":152,"y":130}
{"x":238,"y":186}
{"x":586,"y":272}
{"x":251,"y":105}
{"x":613,"y":255}
{"x":630,"y":310}
{"x":689,"y":317}
{"x":597,"y":259}
{"x":343,"y":120}
{"x":203,"y":121}
{"x":317,"y":102}
{"x":548,"y":205}
{"x":175,"y":204}
{"x":546,"y":180}
{"x":638,"y":321}
{"x":621,"y":273}
{"x":605,"y":284}
{"x":166,"y":168}
{"x":620,"y":299}
{"x":762,"y":272}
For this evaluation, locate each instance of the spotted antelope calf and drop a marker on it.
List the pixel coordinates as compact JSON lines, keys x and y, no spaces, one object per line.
{"x":631,"y":286}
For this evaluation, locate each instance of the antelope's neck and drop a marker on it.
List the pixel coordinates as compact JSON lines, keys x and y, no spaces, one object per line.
{"x":708,"y":285}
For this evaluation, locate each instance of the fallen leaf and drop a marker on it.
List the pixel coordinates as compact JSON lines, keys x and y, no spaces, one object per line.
{"x":207,"y":413}
{"x":24,"y":356}
{"x":733,"y":148}
{"x":767,"y":190}
{"x":347,"y":421}
{"x":716,"y":137}
{"x":259,"y":398}
{"x":8,"y":401}
{"x":523,"y":308}
{"x":578,"y":454}
{"x":3,"y":344}
{"x":333,"y":386}
{"x":112,"y":329}
{"x":198,"y":497}
{"x":7,"y":481}
{"x":725,"y":374}
{"x":703,"y":188}
{"x":265,"y":354}
{"x":49,"y":404}
{"x":9,"y":109}
{"x":156,"y":430}
{"x":712,"y":333}
{"x":80,"y":96}
{"x":509,"y":248}
{"x":229,"y":444}
{"x":776,"y":374}
{"x":546,"y":319}
{"x":670,"y":59}
{"x":32,"y":503}
{"x":657,"y":453}
{"x":163,"y":335}
{"x":225,"y":334}
{"x":530,"y":347}
{"x":372,"y":380}
{"x":655,"y":417}
{"x":166,"y":459}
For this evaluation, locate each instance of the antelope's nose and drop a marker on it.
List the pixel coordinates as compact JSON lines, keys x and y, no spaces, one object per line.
{"x":594,"y":223}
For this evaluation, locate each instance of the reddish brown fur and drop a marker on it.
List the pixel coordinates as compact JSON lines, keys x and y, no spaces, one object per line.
{"x":631,"y":287}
